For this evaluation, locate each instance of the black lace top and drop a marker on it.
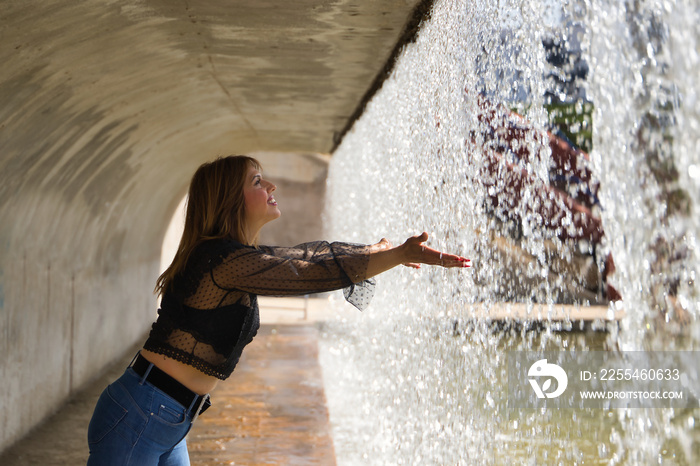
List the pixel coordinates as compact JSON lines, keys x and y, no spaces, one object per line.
{"x":211,"y":311}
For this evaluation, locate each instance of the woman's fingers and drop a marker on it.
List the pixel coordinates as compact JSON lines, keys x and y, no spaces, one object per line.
{"x":413,"y":265}
{"x":422,"y":254}
{"x":435,"y":257}
{"x":422,"y":238}
{"x":417,"y":239}
{"x":449,"y":260}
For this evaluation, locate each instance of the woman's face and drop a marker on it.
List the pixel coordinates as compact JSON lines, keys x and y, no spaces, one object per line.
{"x":260,"y":204}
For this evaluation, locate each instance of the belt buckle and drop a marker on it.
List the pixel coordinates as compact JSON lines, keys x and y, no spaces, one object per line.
{"x":203,"y":399}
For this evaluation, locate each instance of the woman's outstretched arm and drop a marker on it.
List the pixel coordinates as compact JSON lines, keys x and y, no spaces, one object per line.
{"x":321,"y":266}
{"x":413,"y":252}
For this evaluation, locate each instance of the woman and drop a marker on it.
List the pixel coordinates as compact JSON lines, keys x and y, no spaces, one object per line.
{"x":209,"y":311}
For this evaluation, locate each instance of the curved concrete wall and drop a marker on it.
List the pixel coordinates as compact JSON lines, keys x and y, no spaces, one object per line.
{"x":106,"y":109}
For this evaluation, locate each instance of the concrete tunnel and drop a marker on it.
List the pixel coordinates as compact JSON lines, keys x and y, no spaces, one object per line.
{"x":107,"y":109}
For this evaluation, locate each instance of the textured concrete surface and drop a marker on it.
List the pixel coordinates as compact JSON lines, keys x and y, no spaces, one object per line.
{"x":272,"y":410}
{"x":106,"y":109}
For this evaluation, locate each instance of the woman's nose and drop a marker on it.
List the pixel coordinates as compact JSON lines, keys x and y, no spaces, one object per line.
{"x":270,"y":187}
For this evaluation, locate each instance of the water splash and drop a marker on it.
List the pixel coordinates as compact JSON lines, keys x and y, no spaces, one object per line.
{"x":416,"y":379}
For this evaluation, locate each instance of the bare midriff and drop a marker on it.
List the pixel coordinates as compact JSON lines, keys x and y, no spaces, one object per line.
{"x":188,"y":376}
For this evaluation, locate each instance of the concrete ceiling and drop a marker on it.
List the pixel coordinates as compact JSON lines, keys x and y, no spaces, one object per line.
{"x":240,"y":75}
{"x":106,"y":102}
{"x":90,"y":83}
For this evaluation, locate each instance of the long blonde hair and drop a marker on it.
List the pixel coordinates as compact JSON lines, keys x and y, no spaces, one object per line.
{"x":215,"y":209}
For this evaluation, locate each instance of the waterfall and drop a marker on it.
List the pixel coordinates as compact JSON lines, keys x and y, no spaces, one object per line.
{"x":419,"y":378}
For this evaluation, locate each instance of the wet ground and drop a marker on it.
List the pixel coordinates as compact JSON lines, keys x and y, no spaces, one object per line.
{"x":272,"y":410}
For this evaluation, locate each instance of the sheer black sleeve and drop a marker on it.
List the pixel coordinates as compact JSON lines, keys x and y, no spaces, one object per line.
{"x":307,"y":268}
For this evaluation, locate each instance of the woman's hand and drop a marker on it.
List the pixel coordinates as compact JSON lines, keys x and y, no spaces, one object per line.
{"x":416,"y":252}
{"x":383,"y":256}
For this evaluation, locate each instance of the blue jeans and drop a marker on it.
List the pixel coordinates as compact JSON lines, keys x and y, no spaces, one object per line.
{"x":136,"y":424}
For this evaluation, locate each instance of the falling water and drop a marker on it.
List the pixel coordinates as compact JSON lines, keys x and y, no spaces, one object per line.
{"x":416,"y":379}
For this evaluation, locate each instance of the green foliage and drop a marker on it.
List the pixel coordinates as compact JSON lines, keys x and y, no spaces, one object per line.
{"x":575,"y":120}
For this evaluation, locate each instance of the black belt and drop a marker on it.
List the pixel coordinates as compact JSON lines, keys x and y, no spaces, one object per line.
{"x":194,"y":402}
